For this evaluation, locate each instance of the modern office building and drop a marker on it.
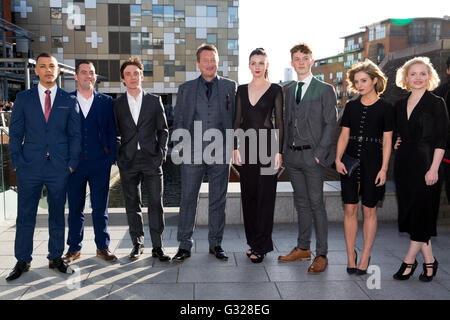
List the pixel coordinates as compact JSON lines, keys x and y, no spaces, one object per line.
{"x":163,"y":33}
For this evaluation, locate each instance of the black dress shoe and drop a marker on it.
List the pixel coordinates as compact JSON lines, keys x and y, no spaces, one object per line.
{"x":218,"y":252}
{"x":61,"y":265}
{"x":19,"y":268}
{"x":135,"y":254}
{"x":181,"y":255}
{"x":158,"y":253}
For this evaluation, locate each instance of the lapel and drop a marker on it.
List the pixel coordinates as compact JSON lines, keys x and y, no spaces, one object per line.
{"x":59,"y":98}
{"x":126,"y":112}
{"x":191,"y":109}
{"x":36,"y":101}
{"x":142,"y":112}
{"x":221,"y":92}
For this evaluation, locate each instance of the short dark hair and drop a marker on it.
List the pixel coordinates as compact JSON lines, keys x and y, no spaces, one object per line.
{"x":45,"y":55}
{"x":77,"y":68}
{"x":205,"y":46}
{"x":132,"y":61}
{"x":302,"y":47}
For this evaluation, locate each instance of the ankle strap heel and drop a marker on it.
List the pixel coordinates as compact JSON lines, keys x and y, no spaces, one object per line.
{"x":424,"y":276}
{"x":400,"y":276}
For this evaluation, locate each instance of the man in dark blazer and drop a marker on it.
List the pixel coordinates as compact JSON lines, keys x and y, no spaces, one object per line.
{"x":45,"y":149}
{"x":310,"y":133}
{"x":208,"y":101}
{"x":143,"y":133}
{"x":98,"y":153}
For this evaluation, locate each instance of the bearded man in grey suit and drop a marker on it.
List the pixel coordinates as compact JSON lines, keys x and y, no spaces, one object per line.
{"x":204,"y":104}
{"x":310,"y":131}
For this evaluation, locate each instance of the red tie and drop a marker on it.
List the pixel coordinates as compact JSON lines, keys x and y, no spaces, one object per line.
{"x":48,"y":104}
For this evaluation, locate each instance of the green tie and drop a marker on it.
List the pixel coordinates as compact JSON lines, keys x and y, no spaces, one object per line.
{"x":298,"y":97}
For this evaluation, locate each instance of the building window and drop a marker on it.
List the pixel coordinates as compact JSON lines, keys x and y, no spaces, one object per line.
{"x":136,"y":43}
{"x":340,"y":59}
{"x":146,"y":40}
{"x":180,"y":41}
{"x":179,"y":16}
{"x":169,"y":69}
{"x":359,"y":56}
{"x":169,"y":13}
{"x":371,"y":35}
{"x":211,"y":11}
{"x":320,"y":76}
{"x":232,"y":15}
{"x":148,"y":68}
{"x":57,"y":42}
{"x":330,"y":61}
{"x":331,"y":75}
{"x":416,"y":33}
{"x":56,"y":13}
{"x":360,"y":40}
{"x":232,"y":45}
{"x":135,"y":15}
{"x":435,"y":31}
{"x":381,"y":32}
{"x":119,"y":15}
{"x":157,"y":43}
{"x":119,"y":42}
{"x":211,"y":38}
{"x":158,"y":13}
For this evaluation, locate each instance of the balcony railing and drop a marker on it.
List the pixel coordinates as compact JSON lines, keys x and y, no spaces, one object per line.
{"x":353,"y":47}
{"x":349,"y":64}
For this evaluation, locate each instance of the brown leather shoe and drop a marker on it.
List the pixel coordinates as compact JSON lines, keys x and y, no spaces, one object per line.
{"x":319,"y":264}
{"x":296,"y":254}
{"x":71,"y":256}
{"x":106,"y":255}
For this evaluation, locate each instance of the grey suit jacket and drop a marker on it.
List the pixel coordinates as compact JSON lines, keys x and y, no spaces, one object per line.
{"x":321,"y":119}
{"x":151,"y":130}
{"x":187,"y":100}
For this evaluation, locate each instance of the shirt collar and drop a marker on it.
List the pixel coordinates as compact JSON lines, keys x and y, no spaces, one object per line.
{"x":79,"y":95}
{"x":213,"y":81}
{"x":42,"y":89}
{"x":307,"y":80}
{"x":138,"y":98}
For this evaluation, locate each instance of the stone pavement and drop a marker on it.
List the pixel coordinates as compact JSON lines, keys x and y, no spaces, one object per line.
{"x":203,"y":277}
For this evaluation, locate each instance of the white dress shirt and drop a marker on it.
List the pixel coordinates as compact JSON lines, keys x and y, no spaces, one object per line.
{"x":306,"y":82}
{"x":135,"y":108}
{"x":41,"y":91}
{"x":85,"y":104}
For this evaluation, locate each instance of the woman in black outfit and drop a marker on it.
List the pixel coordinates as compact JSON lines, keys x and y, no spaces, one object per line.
{"x":367,"y":126}
{"x":421,"y":131}
{"x":255,"y":104}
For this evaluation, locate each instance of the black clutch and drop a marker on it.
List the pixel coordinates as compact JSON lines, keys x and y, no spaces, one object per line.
{"x":350,"y":163}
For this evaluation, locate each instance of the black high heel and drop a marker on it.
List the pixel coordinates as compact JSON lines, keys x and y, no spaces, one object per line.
{"x":426,"y":278}
{"x":400,"y":276}
{"x":353,"y":270}
{"x":259,"y":257}
{"x":360,"y":272}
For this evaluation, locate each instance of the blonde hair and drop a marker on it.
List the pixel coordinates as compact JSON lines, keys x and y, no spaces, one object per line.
{"x":402,"y":72}
{"x":372,"y":70}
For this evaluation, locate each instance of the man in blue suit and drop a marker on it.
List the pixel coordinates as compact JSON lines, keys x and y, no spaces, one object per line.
{"x":98,"y":153}
{"x":45,"y":149}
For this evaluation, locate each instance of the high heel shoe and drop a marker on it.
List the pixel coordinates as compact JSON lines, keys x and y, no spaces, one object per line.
{"x":360,"y":272}
{"x":424,"y":276}
{"x":400,"y":276}
{"x":259,"y":257}
{"x":353,"y":270}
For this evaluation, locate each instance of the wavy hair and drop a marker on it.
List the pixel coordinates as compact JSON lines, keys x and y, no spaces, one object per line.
{"x":372,"y":70}
{"x":402,"y":72}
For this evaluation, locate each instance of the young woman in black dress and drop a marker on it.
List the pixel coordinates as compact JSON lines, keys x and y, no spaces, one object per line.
{"x":421,"y":123}
{"x":256,"y":102}
{"x":367,"y":127}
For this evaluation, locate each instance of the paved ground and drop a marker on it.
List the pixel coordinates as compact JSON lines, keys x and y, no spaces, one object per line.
{"x":202,"y":277}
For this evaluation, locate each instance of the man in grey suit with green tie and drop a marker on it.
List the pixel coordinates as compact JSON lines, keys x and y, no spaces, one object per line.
{"x":310,"y":130}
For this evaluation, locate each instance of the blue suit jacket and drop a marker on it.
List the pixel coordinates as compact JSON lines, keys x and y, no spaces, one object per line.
{"x":31,"y":138}
{"x":103,"y":110}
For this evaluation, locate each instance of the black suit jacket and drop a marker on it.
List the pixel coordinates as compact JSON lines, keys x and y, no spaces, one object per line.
{"x":151,"y":130}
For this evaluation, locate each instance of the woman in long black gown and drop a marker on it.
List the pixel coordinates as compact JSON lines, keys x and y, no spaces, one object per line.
{"x":255,"y":104}
{"x":421,"y":130}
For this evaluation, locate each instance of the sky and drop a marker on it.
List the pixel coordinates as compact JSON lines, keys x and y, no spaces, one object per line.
{"x":277,"y":25}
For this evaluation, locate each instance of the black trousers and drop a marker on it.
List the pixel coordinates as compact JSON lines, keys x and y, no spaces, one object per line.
{"x":139,"y":171}
{"x":258,"y":194}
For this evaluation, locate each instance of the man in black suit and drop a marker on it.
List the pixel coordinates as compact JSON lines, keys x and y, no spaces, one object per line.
{"x":143,"y":132}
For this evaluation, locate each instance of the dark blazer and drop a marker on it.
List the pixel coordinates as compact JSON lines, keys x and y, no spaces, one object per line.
{"x":151,"y":130}
{"x":321,"y":118}
{"x":103,"y":110}
{"x":187,"y":101}
{"x":31,"y":138}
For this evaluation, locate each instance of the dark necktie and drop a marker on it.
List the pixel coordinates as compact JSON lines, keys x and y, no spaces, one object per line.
{"x":208,"y":89}
{"x":298,"y":97}
{"x":48,"y":104}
